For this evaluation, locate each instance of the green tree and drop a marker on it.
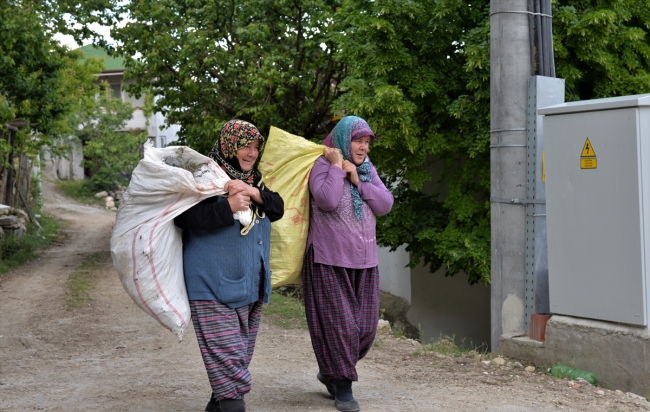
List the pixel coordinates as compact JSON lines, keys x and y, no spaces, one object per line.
{"x":110,"y":152}
{"x":7,"y":113}
{"x":78,"y":19}
{"x":41,"y":81}
{"x":602,"y":48}
{"x":273,"y":63}
{"x":268,"y":61}
{"x":30,"y":67}
{"x":78,"y":89}
{"x":40,"y":84}
{"x":403,"y":65}
{"x":419,"y":72}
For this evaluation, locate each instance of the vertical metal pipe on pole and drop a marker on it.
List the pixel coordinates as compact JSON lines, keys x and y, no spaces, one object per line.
{"x":509,"y":73}
{"x":547,"y":30}
{"x":531,"y":37}
{"x":539,"y":40}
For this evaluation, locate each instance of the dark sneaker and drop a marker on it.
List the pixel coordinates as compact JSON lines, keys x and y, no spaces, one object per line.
{"x":343,"y":400}
{"x":232,"y":405}
{"x":331,"y":389}
{"x":349,"y":406}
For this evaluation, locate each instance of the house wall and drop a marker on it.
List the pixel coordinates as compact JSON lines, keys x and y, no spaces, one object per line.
{"x":151,"y":124}
{"x":449,"y":306}
{"x":393,"y":274}
{"x":62,"y":168}
{"x":136,"y":103}
{"x":165,"y":135}
{"x":439,"y":305}
{"x":137,"y":122}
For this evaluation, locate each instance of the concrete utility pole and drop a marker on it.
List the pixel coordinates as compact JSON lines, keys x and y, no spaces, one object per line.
{"x":509,"y":72}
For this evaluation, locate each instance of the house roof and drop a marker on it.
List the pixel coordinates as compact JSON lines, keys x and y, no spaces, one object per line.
{"x":110,"y":63}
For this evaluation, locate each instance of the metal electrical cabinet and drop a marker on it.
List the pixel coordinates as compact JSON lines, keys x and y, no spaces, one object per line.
{"x":597,"y":163}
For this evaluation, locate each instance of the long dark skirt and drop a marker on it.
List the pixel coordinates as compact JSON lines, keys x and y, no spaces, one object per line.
{"x":227,"y":339}
{"x":342,"y":308}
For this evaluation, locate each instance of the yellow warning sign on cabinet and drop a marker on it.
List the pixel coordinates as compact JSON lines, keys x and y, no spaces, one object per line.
{"x":588,"y":163}
{"x":588,"y":156}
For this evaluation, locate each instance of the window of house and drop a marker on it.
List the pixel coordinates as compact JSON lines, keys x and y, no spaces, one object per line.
{"x":116,"y":88}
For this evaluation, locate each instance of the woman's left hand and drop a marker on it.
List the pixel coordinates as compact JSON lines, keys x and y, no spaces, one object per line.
{"x":351,"y":171}
{"x":237,"y":186}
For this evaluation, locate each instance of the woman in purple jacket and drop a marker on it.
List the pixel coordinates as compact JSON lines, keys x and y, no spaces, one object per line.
{"x":339,"y":277}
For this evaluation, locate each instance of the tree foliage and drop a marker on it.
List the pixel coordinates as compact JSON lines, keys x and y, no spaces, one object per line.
{"x":110,"y":152}
{"x":285,"y":64}
{"x":602,"y":48}
{"x":30,"y":67}
{"x":419,"y":73}
{"x":45,"y":88}
{"x":417,"y":70}
{"x":41,"y":82}
{"x":268,"y":61}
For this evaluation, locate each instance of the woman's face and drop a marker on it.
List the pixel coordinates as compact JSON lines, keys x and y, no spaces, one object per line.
{"x":247,"y":155}
{"x":359,"y":148}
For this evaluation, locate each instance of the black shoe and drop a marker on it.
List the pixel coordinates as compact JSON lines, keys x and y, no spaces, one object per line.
{"x":232,"y":405}
{"x":331,"y":389}
{"x":213,"y":405}
{"x":349,"y":406}
{"x":343,"y":400}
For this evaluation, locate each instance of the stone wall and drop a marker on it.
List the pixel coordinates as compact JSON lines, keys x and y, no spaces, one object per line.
{"x":619,"y":355}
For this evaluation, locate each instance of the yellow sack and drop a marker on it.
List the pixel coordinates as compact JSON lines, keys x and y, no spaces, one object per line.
{"x":285,"y":165}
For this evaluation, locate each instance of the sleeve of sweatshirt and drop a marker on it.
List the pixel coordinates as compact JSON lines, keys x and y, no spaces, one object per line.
{"x":326,"y":184}
{"x":210,"y":214}
{"x":273,"y":204}
{"x":375,"y":194}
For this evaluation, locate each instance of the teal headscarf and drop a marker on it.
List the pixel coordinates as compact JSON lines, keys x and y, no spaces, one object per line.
{"x":347,"y":129}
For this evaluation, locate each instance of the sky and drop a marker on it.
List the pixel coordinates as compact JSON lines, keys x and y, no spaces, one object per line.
{"x":69,"y":41}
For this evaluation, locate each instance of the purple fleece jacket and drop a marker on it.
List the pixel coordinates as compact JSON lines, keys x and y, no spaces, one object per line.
{"x":338,"y":237}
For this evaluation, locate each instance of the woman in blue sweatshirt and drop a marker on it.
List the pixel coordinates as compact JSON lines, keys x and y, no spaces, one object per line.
{"x":226,"y":266}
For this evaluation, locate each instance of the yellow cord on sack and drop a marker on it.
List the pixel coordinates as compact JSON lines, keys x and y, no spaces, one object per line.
{"x":244,"y":231}
{"x":256,"y":212}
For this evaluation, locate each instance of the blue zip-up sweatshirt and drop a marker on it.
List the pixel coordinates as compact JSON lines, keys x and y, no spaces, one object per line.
{"x":222,"y":264}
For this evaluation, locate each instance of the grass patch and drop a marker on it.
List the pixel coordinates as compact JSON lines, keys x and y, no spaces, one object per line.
{"x":80,"y":190}
{"x":16,"y":251}
{"x":82,"y":281}
{"x":446,"y":345}
{"x":286,"y":308}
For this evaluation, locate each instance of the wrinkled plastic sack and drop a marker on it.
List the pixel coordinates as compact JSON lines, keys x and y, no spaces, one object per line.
{"x":564,"y":371}
{"x":285,"y":165}
{"x":146,"y":246}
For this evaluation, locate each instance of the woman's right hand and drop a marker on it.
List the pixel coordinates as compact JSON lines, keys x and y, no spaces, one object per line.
{"x":334,"y":156}
{"x":239,"y":202}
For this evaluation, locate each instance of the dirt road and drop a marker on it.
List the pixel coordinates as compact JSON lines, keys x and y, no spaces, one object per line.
{"x":108,"y":355}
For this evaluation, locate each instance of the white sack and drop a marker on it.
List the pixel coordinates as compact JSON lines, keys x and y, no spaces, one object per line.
{"x":146,"y":246}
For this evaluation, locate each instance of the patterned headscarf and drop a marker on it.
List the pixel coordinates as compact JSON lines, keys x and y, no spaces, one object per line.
{"x":346,"y":130}
{"x":236,"y":134}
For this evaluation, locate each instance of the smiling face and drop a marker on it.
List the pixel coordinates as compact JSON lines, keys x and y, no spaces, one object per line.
{"x":359,"y":149}
{"x":247,"y":155}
